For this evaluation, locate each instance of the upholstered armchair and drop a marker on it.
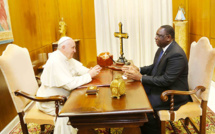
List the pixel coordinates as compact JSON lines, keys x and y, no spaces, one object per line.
{"x":17,"y":69}
{"x":201,"y":67}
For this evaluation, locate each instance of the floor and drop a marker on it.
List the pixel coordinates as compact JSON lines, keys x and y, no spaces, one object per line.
{"x":211,"y":100}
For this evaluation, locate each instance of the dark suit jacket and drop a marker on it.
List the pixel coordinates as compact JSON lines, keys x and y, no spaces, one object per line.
{"x":171,"y":74}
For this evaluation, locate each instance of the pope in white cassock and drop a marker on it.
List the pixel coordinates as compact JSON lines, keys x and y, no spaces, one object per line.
{"x":62,"y":74}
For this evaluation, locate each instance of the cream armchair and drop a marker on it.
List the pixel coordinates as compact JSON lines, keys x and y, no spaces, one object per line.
{"x":17,"y":69}
{"x":201,"y":67}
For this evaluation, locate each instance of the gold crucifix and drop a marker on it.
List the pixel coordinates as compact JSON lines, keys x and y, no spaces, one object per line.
{"x":121,"y":35}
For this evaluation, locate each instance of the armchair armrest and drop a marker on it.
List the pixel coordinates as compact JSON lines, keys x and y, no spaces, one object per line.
{"x":61,"y":99}
{"x":164,"y":95}
{"x":57,"y":98}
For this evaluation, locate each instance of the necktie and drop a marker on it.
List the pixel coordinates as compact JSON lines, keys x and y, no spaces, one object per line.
{"x":156,"y":64}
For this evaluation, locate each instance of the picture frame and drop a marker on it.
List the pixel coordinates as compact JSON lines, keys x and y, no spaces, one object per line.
{"x":6,"y":35}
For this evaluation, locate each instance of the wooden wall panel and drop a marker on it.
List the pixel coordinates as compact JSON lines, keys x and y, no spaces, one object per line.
{"x":90,"y":54}
{"x":33,"y":30}
{"x":49,"y":19}
{"x":88,"y":19}
{"x":213,"y":45}
{"x":70,"y":10}
{"x":199,"y":14}
{"x":35,"y":26}
{"x":8,"y":111}
{"x":17,"y":20}
{"x":201,"y":18}
{"x":25,"y":23}
{"x":212,"y":18}
{"x":82,"y":54}
{"x":2,"y":48}
{"x":88,"y":48}
{"x":194,"y":38}
{"x":213,"y":29}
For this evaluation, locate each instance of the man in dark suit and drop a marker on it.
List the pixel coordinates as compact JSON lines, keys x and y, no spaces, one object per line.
{"x":168,"y":72}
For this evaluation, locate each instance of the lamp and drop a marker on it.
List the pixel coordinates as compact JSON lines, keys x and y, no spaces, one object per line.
{"x":180,"y":14}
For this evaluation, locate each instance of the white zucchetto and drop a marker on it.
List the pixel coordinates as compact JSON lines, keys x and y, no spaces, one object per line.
{"x":62,"y":39}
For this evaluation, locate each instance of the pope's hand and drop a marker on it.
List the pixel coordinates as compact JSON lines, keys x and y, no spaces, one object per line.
{"x":94,"y":71}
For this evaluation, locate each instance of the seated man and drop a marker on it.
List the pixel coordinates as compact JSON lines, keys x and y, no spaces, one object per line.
{"x":60,"y":76}
{"x":168,"y":72}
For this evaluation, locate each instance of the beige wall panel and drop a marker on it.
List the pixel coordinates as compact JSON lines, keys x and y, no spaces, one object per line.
{"x":90,"y":52}
{"x":88,"y":19}
{"x":70,"y":10}
{"x":48,"y":12}
{"x":199,"y":14}
{"x":213,"y":18}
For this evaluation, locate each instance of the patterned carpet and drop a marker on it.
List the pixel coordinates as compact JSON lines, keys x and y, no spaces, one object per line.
{"x":210,"y":124}
{"x":210,"y":127}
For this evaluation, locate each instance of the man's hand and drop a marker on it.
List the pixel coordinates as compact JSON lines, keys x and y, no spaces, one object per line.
{"x":129,"y":67}
{"x":94,"y":71}
{"x":133,"y":73}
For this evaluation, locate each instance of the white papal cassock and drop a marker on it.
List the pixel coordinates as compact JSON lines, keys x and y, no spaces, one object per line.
{"x":59,"y":77}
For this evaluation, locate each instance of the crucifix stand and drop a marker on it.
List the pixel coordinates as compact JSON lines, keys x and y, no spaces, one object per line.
{"x":121,"y":35}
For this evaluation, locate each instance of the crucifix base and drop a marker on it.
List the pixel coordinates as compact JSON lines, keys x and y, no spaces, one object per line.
{"x":122,"y":60}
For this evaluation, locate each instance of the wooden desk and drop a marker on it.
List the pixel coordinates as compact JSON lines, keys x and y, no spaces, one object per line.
{"x":102,"y":111}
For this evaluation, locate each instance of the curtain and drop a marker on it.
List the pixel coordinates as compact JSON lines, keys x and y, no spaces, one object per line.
{"x":139,"y":18}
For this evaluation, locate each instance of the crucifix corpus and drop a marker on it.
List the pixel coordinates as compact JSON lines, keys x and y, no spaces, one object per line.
{"x":121,"y":35}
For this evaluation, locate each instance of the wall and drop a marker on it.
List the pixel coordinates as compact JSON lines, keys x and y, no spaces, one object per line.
{"x":8,"y":111}
{"x":201,"y":19}
{"x":35,"y":26}
{"x":80,"y":18}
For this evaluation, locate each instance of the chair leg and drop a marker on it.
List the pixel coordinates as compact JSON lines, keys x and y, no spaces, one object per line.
{"x":23,"y":125}
{"x":163,"y":127}
{"x":186,"y":122}
{"x":203,"y":118}
{"x":42,"y":127}
{"x":203,"y":124}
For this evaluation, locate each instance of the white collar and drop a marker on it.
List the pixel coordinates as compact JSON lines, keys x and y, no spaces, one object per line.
{"x":165,"y":48}
{"x":62,"y":55}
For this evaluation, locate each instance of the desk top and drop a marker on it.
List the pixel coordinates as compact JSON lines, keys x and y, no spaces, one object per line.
{"x":134,"y":101}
